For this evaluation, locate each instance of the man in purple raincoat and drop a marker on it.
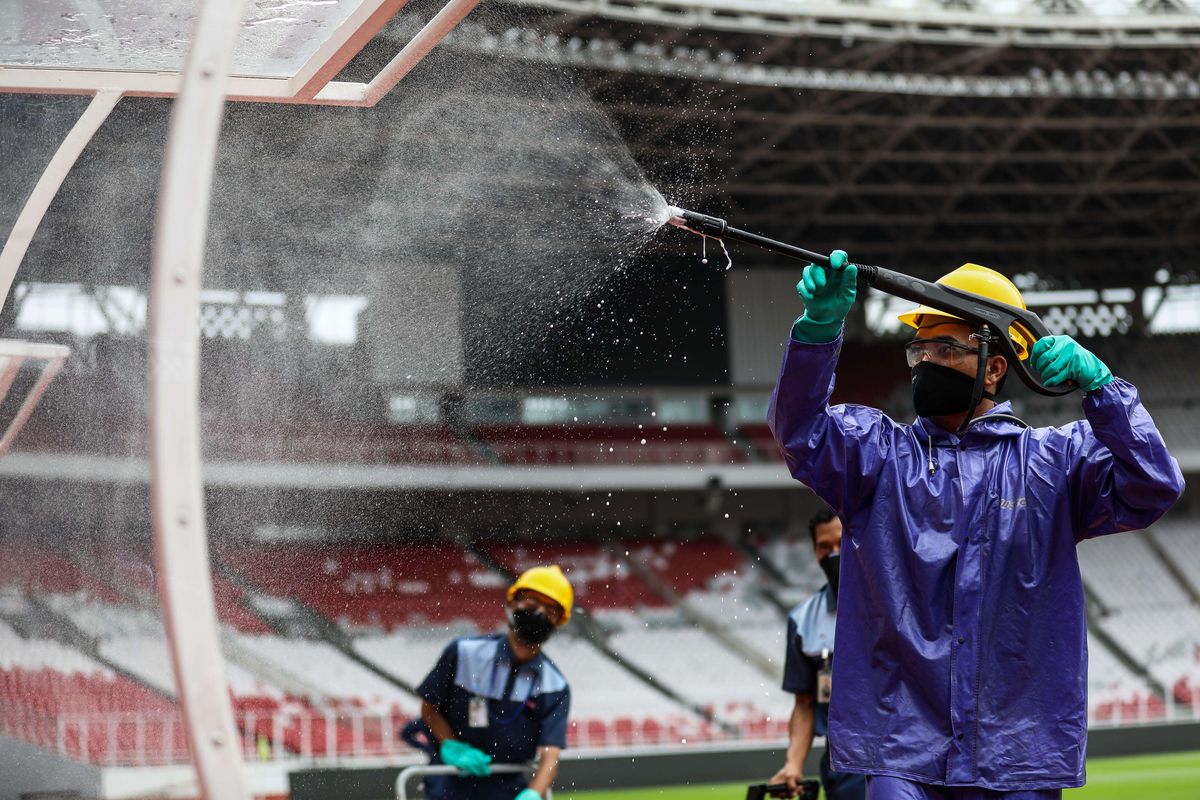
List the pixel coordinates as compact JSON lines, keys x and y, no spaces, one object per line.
{"x":961,"y":645}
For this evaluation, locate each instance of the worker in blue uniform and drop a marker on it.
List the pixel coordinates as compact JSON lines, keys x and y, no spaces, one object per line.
{"x":498,"y":698}
{"x":808,"y":668}
{"x":961,"y":639}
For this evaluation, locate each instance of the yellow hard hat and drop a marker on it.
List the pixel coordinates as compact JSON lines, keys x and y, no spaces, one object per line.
{"x":549,"y":581}
{"x":984,"y":282}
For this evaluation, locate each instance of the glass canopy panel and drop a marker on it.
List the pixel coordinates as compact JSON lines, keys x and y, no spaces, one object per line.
{"x":277,"y":37}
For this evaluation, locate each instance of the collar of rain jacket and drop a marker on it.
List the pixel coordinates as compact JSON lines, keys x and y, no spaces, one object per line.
{"x":1000,"y":427}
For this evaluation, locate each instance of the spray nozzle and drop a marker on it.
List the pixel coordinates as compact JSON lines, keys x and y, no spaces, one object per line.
{"x":696,"y":222}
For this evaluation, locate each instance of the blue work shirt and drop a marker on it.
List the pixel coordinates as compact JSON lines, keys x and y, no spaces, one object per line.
{"x":961,"y":640}
{"x":527,"y":708}
{"x":810,"y":631}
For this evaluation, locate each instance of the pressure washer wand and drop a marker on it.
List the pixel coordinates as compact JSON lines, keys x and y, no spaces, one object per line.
{"x":971,"y":308}
{"x":717,"y":228}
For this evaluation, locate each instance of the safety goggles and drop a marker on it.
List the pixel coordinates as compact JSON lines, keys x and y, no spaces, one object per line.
{"x":529,"y":600}
{"x":939,"y":351}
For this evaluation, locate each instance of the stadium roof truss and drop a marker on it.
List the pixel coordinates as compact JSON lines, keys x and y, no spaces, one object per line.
{"x":201,"y":52}
{"x":1029,"y":23}
{"x":917,"y":129}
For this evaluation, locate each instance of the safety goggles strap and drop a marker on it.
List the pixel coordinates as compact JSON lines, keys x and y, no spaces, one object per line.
{"x":984,"y":337}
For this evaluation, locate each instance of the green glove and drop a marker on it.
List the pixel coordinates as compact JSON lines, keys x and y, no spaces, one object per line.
{"x":528,"y":794}
{"x":465,"y":757}
{"x":828,"y":295}
{"x":1060,"y":358}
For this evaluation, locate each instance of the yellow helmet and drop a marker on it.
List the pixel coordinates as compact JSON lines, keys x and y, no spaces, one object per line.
{"x":984,"y":282}
{"x":549,"y":581}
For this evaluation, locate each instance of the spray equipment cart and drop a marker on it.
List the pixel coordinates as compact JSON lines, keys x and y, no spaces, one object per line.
{"x":408,"y":774}
{"x":200,"y":53}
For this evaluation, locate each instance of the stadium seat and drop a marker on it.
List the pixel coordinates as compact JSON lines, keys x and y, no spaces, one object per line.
{"x":376,"y":585}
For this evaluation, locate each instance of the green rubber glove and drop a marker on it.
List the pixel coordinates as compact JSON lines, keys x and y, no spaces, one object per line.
{"x":467,"y":758}
{"x":528,"y":794}
{"x":828,"y":295}
{"x":1060,"y":358}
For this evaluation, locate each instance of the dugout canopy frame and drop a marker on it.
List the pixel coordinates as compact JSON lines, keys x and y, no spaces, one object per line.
{"x":202,"y":53}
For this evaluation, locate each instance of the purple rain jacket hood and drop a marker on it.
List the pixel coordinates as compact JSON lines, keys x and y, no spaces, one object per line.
{"x":962,"y":640}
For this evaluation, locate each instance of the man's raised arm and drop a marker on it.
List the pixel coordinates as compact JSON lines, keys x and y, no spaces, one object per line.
{"x":838,"y":451}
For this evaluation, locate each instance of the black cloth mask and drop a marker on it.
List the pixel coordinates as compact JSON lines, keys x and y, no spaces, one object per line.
{"x":831,"y":565}
{"x":530,"y":626}
{"x":940,"y":391}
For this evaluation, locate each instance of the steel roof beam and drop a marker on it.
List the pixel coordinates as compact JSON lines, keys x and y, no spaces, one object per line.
{"x":928,"y":22}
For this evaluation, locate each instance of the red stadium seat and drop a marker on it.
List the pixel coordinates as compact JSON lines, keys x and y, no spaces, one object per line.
{"x":597,"y":733}
{"x":600,"y":581}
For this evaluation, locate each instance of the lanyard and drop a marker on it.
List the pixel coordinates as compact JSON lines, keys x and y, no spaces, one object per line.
{"x":501,"y":720}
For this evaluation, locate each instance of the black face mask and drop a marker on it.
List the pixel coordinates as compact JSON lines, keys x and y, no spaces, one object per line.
{"x":940,"y":391}
{"x":531,"y":627}
{"x":831,"y":565}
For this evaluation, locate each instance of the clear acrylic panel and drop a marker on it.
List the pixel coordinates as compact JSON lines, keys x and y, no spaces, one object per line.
{"x":277,"y":36}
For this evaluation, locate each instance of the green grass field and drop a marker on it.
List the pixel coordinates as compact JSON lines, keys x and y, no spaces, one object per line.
{"x":1165,"y":777}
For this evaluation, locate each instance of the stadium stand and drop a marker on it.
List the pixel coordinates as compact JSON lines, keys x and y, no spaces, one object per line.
{"x":299,"y":441}
{"x":1115,"y":694}
{"x":599,"y":574}
{"x":1180,"y":541}
{"x":333,"y":673}
{"x":717,"y":678}
{"x":375,"y":585}
{"x":54,"y":695}
{"x":608,"y":704}
{"x":327,"y":441}
{"x":346,"y":708}
{"x":793,"y":557}
{"x":1168,"y":644}
{"x":760,"y":437}
{"x":1151,"y":614}
{"x":39,"y":569}
{"x":132,"y":571}
{"x":689,"y":564}
{"x":1125,"y":574}
{"x":352,"y":712}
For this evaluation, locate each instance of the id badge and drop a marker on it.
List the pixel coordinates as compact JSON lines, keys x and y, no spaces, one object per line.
{"x":477,"y":712}
{"x":825,"y":678}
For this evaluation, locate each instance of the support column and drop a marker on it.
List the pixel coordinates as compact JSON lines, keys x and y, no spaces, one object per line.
{"x":48,"y":185}
{"x":176,"y":490}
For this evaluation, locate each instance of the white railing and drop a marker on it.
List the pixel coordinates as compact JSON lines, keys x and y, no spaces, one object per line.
{"x":332,"y":736}
{"x":1141,"y":709}
{"x":621,"y":451}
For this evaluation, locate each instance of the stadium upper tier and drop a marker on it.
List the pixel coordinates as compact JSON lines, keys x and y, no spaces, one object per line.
{"x":376,"y":585}
{"x":1060,"y":23}
{"x":91,"y":425}
{"x":641,"y":444}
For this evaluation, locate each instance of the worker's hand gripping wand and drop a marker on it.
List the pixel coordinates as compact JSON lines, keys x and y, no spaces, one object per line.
{"x":974,"y":310}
